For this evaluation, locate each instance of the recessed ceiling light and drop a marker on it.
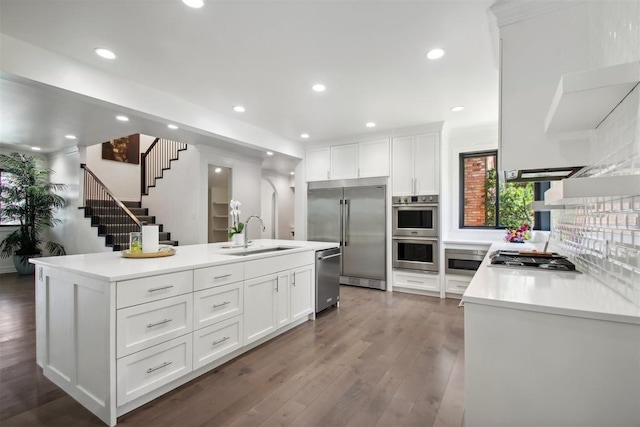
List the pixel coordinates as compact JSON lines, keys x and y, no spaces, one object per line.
{"x":122,"y":118}
{"x":105,"y":53}
{"x":269,"y":153}
{"x":36,"y":148}
{"x":457,"y":108}
{"x":435,"y":53}
{"x":304,"y":135}
{"x":370,"y":125}
{"x":292,"y":173}
{"x":172,"y":127}
{"x":196,"y":4}
{"x":238,"y":109}
{"x":70,"y":136}
{"x":217,"y":170}
{"x":318,"y":87}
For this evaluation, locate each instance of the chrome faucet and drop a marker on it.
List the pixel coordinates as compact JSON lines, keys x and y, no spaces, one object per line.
{"x":246,"y":230}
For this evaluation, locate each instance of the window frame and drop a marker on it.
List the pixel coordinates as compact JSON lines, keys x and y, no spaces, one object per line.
{"x":2,"y":224}
{"x":461,"y":206}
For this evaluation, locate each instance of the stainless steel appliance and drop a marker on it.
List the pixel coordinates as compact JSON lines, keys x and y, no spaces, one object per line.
{"x":415,"y":216}
{"x":463,"y":261}
{"x":416,"y":253}
{"x":547,"y":261}
{"x":353,"y":213}
{"x":327,"y":278}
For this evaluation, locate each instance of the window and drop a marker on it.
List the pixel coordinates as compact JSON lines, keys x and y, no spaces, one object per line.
{"x":4,"y":181}
{"x":485,"y":202}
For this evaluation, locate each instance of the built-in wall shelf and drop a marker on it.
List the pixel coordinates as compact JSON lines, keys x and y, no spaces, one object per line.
{"x":584,"y":99}
{"x":575,"y":190}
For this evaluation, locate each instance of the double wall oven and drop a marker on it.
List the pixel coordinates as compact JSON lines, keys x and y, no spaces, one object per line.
{"x":416,"y":232}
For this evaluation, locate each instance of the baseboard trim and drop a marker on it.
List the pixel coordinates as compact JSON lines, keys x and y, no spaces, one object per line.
{"x":4,"y":270}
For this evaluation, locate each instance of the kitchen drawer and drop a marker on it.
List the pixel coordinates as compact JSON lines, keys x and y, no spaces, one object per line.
{"x":456,"y":285}
{"x":420,"y":281}
{"x":216,"y":304}
{"x":271,"y":265}
{"x":154,"y":367}
{"x":216,"y":276}
{"x":147,"y":289}
{"x":144,"y":325}
{"x":215,"y":341}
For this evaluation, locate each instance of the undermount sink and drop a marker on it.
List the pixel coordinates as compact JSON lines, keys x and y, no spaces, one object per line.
{"x":253,"y":251}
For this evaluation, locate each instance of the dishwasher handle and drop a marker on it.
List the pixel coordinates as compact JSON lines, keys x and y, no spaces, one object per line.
{"x":329,"y":256}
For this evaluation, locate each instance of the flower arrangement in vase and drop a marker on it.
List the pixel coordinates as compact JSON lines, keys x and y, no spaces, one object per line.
{"x":518,"y":235}
{"x":237,"y":227}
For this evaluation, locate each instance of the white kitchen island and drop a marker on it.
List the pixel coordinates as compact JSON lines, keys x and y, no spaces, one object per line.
{"x":545,"y":348}
{"x":116,"y":333}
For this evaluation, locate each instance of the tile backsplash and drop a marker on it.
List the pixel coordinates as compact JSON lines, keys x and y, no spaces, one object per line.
{"x":602,"y":236}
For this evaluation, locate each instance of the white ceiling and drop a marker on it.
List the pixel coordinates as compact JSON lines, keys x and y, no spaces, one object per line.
{"x":264,"y":55}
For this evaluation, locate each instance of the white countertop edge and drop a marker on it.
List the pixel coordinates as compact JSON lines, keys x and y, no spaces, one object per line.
{"x":218,"y":258}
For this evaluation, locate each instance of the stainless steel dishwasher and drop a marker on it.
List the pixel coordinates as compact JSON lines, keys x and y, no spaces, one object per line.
{"x":327,"y":278}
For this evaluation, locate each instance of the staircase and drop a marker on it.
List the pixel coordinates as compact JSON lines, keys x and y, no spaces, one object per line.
{"x":107,"y":216}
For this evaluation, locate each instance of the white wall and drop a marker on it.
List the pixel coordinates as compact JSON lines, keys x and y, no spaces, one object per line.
{"x":267,"y":210}
{"x":285,"y":200}
{"x":179,"y":200}
{"x":123,"y":179}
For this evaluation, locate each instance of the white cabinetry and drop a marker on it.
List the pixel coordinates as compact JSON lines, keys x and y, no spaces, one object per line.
{"x":318,"y":164}
{"x":416,"y":165}
{"x":349,"y":161}
{"x":455,"y":285}
{"x":416,"y":282}
{"x":531,"y":67}
{"x":344,"y":161}
{"x":301,"y":292}
{"x":260,"y":301}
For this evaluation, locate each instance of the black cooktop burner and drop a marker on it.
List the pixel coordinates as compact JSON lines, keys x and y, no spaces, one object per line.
{"x":532,"y":260}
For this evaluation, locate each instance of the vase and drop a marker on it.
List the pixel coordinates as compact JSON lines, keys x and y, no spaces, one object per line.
{"x":22,"y":264}
{"x":238,"y":239}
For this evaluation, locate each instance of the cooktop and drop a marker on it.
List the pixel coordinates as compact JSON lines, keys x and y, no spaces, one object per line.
{"x":549,"y":261}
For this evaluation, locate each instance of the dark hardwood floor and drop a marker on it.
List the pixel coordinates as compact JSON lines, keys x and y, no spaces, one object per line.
{"x":381,"y":359}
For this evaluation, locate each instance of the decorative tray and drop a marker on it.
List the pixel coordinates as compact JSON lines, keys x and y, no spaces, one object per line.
{"x":162,"y":252}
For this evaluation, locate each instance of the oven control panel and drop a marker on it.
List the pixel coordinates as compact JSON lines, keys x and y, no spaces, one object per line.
{"x":411,"y":200}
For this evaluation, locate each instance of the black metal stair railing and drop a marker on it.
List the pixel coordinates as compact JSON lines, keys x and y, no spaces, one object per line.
{"x":156,"y":160}
{"x":114,"y":220}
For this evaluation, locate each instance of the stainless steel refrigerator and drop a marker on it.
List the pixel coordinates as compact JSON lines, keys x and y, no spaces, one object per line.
{"x":355,"y":216}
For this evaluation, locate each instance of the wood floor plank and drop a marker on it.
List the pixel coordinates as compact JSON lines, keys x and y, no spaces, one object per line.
{"x":380,"y":359}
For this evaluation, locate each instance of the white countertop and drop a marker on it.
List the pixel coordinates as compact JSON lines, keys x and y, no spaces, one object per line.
{"x":555,"y":292}
{"x":112,"y":267}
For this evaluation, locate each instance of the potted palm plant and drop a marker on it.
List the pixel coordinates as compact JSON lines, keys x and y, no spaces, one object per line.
{"x":29,"y":201}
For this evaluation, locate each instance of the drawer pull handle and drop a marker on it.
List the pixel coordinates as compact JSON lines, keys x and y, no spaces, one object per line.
{"x":162,"y":322}
{"x":294,"y":279}
{"x":158,"y":367}
{"x":220,"y":340}
{"x":160,"y":289}
{"x":221,"y":305}
{"x":221,"y":277}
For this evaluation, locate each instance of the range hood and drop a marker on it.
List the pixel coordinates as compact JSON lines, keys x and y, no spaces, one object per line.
{"x":540,"y":174}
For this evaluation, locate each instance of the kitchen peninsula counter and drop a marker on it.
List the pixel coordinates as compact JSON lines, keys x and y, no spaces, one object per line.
{"x":116,"y":333}
{"x":548,"y":348}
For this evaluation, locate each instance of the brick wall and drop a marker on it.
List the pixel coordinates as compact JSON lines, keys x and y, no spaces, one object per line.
{"x":475,"y":173}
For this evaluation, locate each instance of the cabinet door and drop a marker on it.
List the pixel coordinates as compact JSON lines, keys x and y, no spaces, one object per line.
{"x":259,"y":307}
{"x":344,"y":161}
{"x":282,"y":297}
{"x":302,"y":286}
{"x":373,"y":158}
{"x":317,"y":164}
{"x":427,"y":164}
{"x":402,"y":166}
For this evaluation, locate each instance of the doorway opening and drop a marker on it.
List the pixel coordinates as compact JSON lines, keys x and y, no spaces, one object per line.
{"x":219,"y":185}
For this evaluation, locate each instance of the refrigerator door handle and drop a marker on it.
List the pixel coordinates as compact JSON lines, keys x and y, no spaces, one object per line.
{"x":346,"y":222}
{"x":341,"y":221}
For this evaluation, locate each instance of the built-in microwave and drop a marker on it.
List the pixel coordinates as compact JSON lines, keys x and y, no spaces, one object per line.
{"x":416,"y":253}
{"x":415,"y":216}
{"x":463,"y":261}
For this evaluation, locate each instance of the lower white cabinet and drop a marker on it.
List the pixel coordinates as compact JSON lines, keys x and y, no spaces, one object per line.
{"x":216,"y":304}
{"x":260,"y":300}
{"x":217,"y":340}
{"x":154,"y":367}
{"x":403,"y":279}
{"x":283,"y":294}
{"x":301,"y":292}
{"x":456,"y":284}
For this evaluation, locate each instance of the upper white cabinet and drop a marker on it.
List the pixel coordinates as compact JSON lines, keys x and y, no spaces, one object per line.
{"x":416,"y":165}
{"x":536,"y":50}
{"x":344,"y":161}
{"x":318,"y":164}
{"x":348,"y":161}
